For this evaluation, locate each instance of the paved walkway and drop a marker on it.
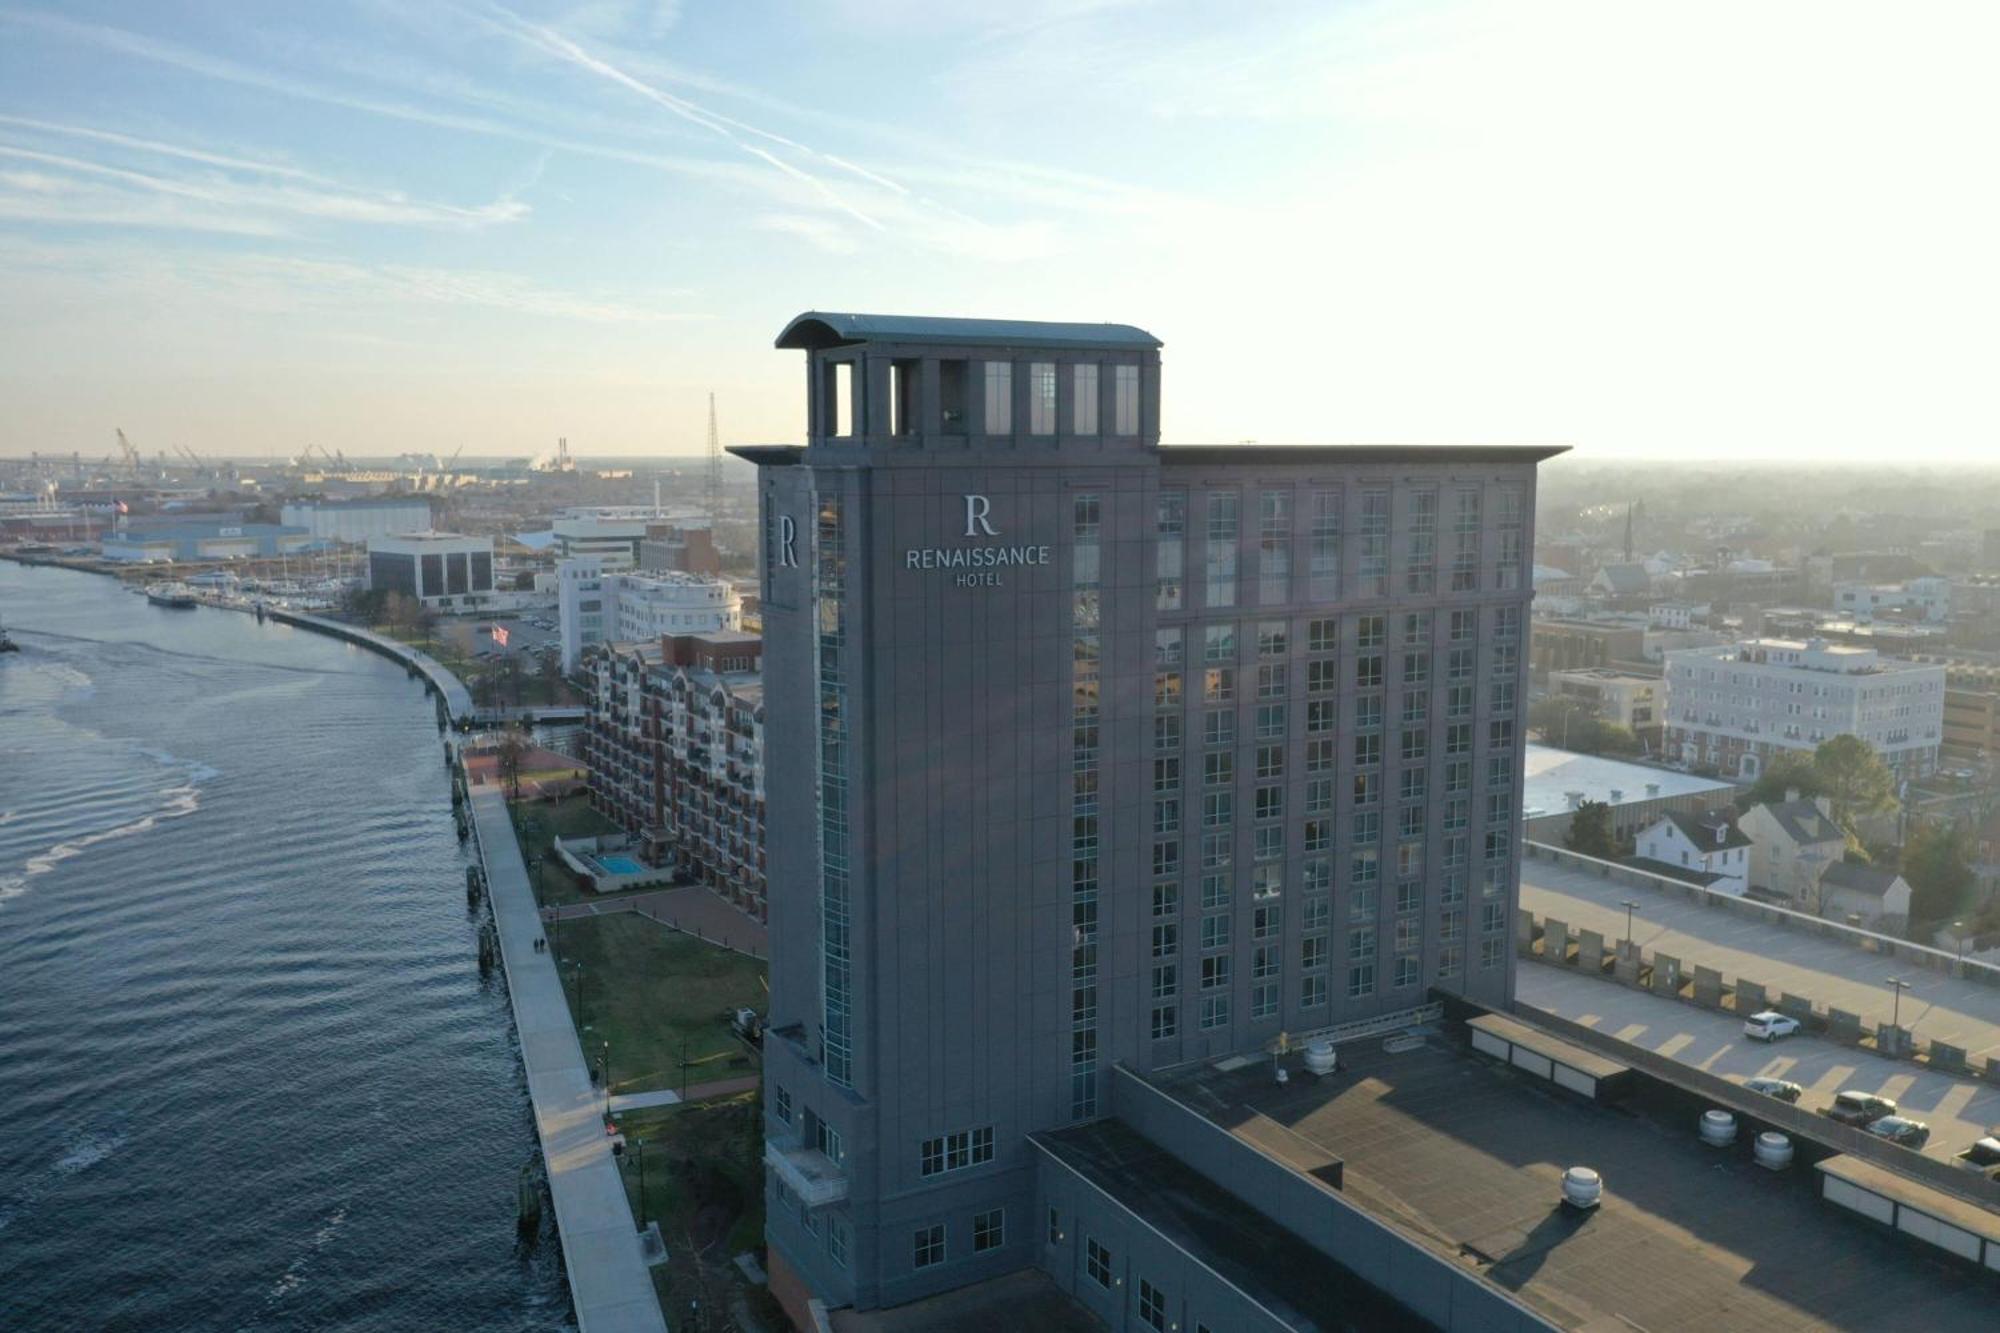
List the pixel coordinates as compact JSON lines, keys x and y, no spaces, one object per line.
{"x":1937,"y":1007}
{"x":700,"y":1092}
{"x":1958,"y":1110}
{"x":609,"y":1283}
{"x":694,"y":908}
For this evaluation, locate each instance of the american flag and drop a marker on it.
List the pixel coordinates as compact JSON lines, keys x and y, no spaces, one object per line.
{"x":500,"y":635}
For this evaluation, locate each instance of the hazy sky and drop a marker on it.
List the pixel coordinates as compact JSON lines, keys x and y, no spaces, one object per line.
{"x":1740,"y":229}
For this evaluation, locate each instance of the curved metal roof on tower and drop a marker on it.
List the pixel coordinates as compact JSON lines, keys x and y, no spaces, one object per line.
{"x":818,"y":329}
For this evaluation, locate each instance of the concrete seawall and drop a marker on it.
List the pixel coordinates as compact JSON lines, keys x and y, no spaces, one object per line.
{"x":446,"y":687}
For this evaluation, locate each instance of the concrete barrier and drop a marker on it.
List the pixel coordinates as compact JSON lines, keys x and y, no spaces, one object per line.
{"x":1707,"y":986}
{"x":1750,"y":997}
{"x":1843,"y":1026}
{"x":1796,"y":1006}
{"x":1666,"y":974}
{"x":1590,"y":950}
{"x":1944,"y":1055}
{"x":1524,"y":930}
{"x":1918,"y":955}
{"x":1891,"y":1040}
{"x":1555,"y":941}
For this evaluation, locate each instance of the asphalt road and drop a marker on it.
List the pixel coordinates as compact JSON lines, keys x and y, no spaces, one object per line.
{"x":1957,"y":1110}
{"x":1938,"y":1007}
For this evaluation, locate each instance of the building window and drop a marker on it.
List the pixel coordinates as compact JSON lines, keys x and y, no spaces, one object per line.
{"x":781,"y":1104}
{"x":1097,"y":1263}
{"x":955,"y":1152}
{"x":1166,"y":1021}
{"x":1221,"y":549}
{"x":928,"y":1246}
{"x":989,"y":1230}
{"x":999,"y":398}
{"x":1420,"y":573}
{"x":1083,"y":388}
{"x":1214,"y":1012}
{"x":1042,"y":398}
{"x":836,"y":1239}
{"x":1125,"y":384}
{"x":1152,"y":1306}
{"x":1274,"y":569}
{"x":1374,"y":559}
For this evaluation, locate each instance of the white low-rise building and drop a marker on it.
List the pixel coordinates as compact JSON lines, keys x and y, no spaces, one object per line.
{"x":1732,"y":707}
{"x":1706,"y":849}
{"x":598,"y":604}
{"x":356,"y":521}
{"x":1930,"y":595}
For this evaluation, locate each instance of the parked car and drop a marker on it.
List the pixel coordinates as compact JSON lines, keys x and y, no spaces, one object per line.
{"x":1769,"y":1025}
{"x":1858,"y":1108}
{"x":1775,"y":1087}
{"x":1898,"y":1129}
{"x":1983,"y":1155}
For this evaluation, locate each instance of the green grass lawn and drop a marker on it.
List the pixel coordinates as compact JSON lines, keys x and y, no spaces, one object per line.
{"x":704,"y":1186}
{"x":657,"y":996}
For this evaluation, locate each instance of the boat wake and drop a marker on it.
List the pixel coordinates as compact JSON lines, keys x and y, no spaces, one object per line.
{"x":175,"y":802}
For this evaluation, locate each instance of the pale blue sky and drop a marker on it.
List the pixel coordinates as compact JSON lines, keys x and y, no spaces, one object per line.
{"x":1740,"y":229}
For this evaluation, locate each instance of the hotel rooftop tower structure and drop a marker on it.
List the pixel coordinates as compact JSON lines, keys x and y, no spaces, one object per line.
{"x":1085,"y":752}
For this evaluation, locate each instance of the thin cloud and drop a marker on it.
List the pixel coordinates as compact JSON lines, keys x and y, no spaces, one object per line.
{"x":725,"y":127}
{"x":233,"y":195}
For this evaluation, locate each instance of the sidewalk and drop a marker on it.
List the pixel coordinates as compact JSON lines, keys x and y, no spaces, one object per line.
{"x":700,"y":1092}
{"x":609,"y":1283}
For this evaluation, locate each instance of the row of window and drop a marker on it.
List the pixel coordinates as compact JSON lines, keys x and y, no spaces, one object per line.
{"x":956,"y":1151}
{"x":1421,"y":559}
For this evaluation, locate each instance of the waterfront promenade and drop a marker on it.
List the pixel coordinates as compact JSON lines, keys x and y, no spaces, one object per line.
{"x":457,"y":699}
{"x":609,"y":1282}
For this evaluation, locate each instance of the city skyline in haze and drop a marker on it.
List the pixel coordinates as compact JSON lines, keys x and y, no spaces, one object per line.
{"x":1705,"y":230}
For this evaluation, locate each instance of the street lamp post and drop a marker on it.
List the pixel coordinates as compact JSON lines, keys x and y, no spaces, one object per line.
{"x":604,"y":1074}
{"x":1896,"y":1012}
{"x":1630,"y":907}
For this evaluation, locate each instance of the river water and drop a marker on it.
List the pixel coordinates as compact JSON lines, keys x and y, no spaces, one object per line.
{"x":250,"y":1078}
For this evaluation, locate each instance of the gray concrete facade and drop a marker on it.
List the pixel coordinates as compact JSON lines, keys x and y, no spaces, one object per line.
{"x":1082,"y":751}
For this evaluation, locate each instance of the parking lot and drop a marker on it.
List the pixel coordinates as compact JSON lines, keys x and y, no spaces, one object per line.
{"x":1936,"y":1007}
{"x":471,"y":636}
{"x":1957,"y":1110}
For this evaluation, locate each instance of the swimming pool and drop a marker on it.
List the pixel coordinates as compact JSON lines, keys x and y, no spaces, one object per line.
{"x":620,"y":865}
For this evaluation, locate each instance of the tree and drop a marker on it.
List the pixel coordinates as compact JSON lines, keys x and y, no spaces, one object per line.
{"x":1855,"y":779}
{"x":512,"y":749}
{"x":1788,"y":771}
{"x":1937,"y":862}
{"x":1560,"y":718}
{"x":1590,"y":831}
{"x":1572,"y":723}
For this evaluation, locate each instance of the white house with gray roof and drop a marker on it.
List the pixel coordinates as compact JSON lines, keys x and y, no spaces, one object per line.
{"x":1706,"y":849}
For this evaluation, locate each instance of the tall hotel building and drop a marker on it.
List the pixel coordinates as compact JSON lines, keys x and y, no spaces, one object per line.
{"x":1088,"y":756}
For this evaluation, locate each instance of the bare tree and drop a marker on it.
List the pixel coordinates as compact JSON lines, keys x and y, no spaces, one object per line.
{"x":512,"y":749}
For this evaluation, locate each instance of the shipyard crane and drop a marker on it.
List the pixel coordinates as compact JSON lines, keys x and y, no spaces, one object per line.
{"x":132,"y":459}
